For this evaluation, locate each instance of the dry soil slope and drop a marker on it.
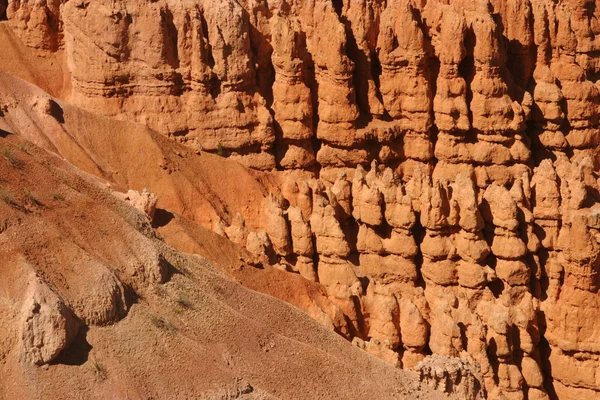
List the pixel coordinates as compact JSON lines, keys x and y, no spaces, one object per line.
{"x":149,"y":322}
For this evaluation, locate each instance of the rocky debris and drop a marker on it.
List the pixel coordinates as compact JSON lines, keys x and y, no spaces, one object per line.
{"x":239,"y":389}
{"x":84,"y":250}
{"x":452,"y":375}
{"x":48,"y":326}
{"x":144,"y":201}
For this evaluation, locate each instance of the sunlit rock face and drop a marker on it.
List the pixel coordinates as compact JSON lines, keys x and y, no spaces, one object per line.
{"x":439,"y":158}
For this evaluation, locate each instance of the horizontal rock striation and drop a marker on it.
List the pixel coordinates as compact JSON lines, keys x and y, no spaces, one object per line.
{"x":451,"y":205}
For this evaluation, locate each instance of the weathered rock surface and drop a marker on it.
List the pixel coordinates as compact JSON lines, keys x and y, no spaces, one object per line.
{"x":144,"y":201}
{"x":451,"y":375}
{"x":48,"y":325}
{"x":451,"y":149}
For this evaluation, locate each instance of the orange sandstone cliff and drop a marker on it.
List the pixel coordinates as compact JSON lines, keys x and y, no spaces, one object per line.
{"x":432,"y":165}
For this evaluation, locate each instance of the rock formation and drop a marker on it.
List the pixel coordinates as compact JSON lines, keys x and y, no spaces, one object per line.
{"x":437,"y":160}
{"x":48,"y":325}
{"x":451,"y":375}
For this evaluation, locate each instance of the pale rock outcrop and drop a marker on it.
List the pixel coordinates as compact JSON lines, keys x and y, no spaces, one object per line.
{"x":379,"y":350}
{"x":48,"y":326}
{"x":414,"y":328}
{"x":463,"y":193}
{"x":334,"y":270}
{"x":399,"y":211}
{"x":236,"y":231}
{"x":342,"y":190}
{"x":546,"y":192}
{"x":277,"y":226}
{"x":452,"y":375}
{"x":300,"y":232}
{"x":258,"y":243}
{"x":384,"y":318}
{"x":502,"y":207}
{"x":144,"y":201}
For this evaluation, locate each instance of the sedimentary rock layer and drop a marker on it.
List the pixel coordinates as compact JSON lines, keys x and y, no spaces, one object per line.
{"x":452,"y":149}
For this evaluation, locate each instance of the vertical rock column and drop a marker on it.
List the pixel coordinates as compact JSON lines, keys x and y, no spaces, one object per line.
{"x":405,"y":84}
{"x":387,"y":249}
{"x":512,"y":336}
{"x":331,"y":243}
{"x":337,"y":109}
{"x":400,"y":216}
{"x":570,"y":271}
{"x":292,"y":101}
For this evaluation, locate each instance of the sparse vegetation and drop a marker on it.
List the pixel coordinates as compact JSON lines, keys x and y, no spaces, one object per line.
{"x":24,"y":147}
{"x":8,"y":198}
{"x":58,"y":196}
{"x":184,"y":303}
{"x":31,"y":198}
{"x":100,"y":370}
{"x":11,"y":157}
{"x":220,"y":150}
{"x":160,"y":291}
{"x":163,"y":324}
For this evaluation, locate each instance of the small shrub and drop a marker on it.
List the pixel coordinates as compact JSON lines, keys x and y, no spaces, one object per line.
{"x":184,"y":303}
{"x":160,"y":290}
{"x":58,"y":196}
{"x":163,"y":324}
{"x":10,"y":156}
{"x":31,"y":198}
{"x":8,"y":198}
{"x":100,"y":370}
{"x":220,"y":150}
{"x":24,"y":146}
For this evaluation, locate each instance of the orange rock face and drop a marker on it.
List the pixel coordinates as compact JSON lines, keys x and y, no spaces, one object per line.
{"x":451,"y":148}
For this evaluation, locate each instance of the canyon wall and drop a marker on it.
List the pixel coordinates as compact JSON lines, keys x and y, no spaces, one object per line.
{"x":438,"y":159}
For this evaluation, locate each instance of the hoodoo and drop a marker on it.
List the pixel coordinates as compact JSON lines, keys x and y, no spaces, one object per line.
{"x":417,"y":179}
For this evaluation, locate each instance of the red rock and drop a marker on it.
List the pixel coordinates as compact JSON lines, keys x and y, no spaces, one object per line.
{"x":483,"y":116}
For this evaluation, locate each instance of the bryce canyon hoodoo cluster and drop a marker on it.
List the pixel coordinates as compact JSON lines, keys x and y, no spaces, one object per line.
{"x":418,"y":176}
